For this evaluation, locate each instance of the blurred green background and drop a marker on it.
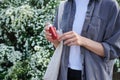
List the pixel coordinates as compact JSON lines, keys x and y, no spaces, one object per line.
{"x":24,"y":51}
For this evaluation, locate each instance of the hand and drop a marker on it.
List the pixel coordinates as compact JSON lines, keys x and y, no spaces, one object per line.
{"x":48,"y":36}
{"x":71,"y":38}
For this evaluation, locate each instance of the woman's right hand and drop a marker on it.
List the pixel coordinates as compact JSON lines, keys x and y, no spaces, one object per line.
{"x":48,"y":36}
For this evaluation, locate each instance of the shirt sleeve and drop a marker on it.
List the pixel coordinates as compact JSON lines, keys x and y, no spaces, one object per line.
{"x":112,"y":43}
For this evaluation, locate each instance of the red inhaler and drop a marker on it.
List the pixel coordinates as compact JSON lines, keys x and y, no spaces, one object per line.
{"x":52,"y":30}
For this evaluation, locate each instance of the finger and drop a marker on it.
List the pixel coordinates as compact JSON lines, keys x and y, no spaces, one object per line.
{"x":47,"y":23}
{"x":69,"y":41}
{"x":53,"y":41}
{"x":66,"y":36}
{"x":48,"y":37}
{"x":48,"y":34}
{"x":46,"y":28}
{"x":67,"y":33}
{"x":71,"y":44}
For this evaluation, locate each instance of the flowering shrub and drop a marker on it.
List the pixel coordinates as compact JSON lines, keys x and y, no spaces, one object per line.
{"x":12,"y":67}
{"x":118,"y":1}
{"x":8,"y":58}
{"x":24,"y":51}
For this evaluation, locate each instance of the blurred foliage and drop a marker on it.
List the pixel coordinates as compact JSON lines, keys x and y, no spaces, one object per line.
{"x":21,"y":29}
{"x":118,"y":1}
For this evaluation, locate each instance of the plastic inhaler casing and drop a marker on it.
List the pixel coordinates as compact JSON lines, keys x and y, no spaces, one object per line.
{"x":53,"y":32}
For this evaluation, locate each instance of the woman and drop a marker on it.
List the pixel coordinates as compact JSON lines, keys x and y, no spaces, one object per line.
{"x":91,"y":35}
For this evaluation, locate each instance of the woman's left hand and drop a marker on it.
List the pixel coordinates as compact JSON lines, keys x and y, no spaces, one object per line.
{"x":71,"y":38}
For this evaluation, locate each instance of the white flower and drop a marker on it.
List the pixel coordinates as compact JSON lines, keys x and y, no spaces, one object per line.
{"x":9,"y":11}
{"x":37,"y":48}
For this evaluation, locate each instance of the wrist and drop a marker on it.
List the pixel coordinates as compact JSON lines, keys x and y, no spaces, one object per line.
{"x":55,"y":44}
{"x":83,"y":41}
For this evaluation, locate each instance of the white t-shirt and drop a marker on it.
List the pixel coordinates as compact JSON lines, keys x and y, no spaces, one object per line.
{"x":75,"y":53}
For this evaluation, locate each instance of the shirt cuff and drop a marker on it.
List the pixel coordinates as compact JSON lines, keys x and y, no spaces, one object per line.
{"x":106,"y":51}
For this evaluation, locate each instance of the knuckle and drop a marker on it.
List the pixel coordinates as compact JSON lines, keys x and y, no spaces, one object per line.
{"x":65,"y":36}
{"x":46,"y":28}
{"x":77,"y":38}
{"x":72,"y":32}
